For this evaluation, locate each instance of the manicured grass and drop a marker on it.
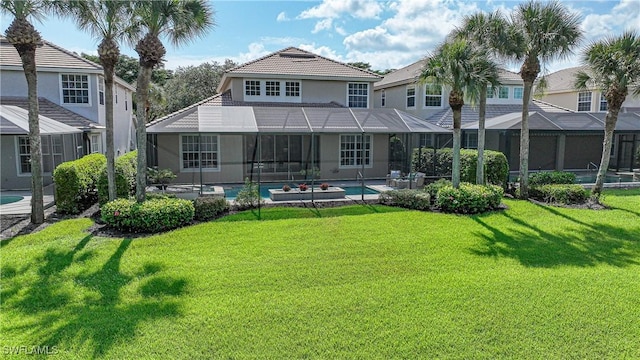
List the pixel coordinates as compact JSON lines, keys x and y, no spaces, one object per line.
{"x":529,"y":282}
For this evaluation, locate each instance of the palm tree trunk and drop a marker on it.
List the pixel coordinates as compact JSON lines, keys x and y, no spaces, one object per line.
{"x":482,"y":109}
{"x":111,"y":173}
{"x":524,"y":142}
{"x":142,"y":94}
{"x":455,"y":166}
{"x":28,"y":57}
{"x":609,"y":127}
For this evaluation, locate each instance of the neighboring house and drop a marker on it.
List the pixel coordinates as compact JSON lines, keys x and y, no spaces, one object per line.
{"x":284,"y":113}
{"x":71,"y":92}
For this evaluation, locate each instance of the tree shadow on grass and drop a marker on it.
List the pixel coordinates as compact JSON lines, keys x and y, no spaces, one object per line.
{"x":102,"y":318}
{"x":586,"y":245}
{"x":308,"y":211}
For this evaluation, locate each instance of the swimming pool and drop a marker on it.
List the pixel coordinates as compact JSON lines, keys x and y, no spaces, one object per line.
{"x":591,"y":179}
{"x":8,"y":199}
{"x":232,"y":192}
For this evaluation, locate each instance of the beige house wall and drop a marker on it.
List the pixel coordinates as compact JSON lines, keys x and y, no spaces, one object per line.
{"x":569,"y":100}
{"x":330,"y":158}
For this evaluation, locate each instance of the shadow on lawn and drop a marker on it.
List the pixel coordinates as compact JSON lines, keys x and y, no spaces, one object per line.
{"x":308,"y":211}
{"x":588,"y":244}
{"x":100,"y":319}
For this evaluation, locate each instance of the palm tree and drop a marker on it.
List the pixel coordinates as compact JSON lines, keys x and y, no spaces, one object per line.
{"x":26,"y":39}
{"x":538,"y":33}
{"x":464,"y":68}
{"x":180,"y":21}
{"x":614,"y":68}
{"x":488,"y":31}
{"x":109,"y":21}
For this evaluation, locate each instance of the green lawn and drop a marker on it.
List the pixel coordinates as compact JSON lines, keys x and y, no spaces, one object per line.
{"x":358,"y":282}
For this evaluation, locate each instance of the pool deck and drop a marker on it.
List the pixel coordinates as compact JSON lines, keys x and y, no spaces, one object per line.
{"x":23,"y":207}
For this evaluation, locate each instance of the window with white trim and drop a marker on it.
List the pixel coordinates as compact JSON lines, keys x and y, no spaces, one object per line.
{"x":75,"y":88}
{"x":518,"y":92}
{"x":584,"y":101}
{"x":52,"y":153}
{"x":603,"y":103}
{"x":433,"y":95}
{"x":354,"y":152}
{"x":24,"y":155}
{"x":411,"y":96}
{"x":358,"y":95}
{"x":95,"y":143}
{"x":490,"y":92}
{"x":57,"y":150}
{"x":292,"y":88}
{"x":101,"y":90}
{"x":503,"y":92}
{"x":199,"y":150}
{"x":45,"y":147}
{"x":252,"y":87}
{"x":383,"y":99}
{"x":272,"y":88}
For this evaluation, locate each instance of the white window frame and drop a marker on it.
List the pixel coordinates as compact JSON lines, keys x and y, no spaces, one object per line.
{"x":358,"y":89}
{"x":216,"y":151}
{"x":383,"y":99}
{"x":87,"y":89}
{"x":293,"y":86}
{"x":500,"y":91}
{"x":250,"y":89}
{"x":20,"y":155}
{"x":259,"y":86}
{"x":49,"y":154}
{"x":584,"y":100}
{"x":426,"y":87}
{"x":490,"y":92}
{"x":272,"y":88}
{"x":357,"y":141}
{"x":95,"y":143}
{"x":409,"y":96}
{"x":603,"y":101}
{"x":101,"y":98}
{"x":519,"y":89}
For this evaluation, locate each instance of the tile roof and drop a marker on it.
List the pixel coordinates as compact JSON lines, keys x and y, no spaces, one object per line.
{"x":563,"y":80}
{"x":297,"y":62}
{"x":15,"y":120}
{"x":53,"y":111}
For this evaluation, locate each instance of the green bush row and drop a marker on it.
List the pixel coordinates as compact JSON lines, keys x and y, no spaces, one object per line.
{"x":125,"y":178}
{"x":209,"y":207}
{"x":150,"y":216}
{"x":469,"y":198}
{"x":76,"y":183}
{"x":410,"y":199}
{"x":559,"y":193}
{"x":433,"y":188}
{"x":551,"y":177}
{"x":440,"y":164}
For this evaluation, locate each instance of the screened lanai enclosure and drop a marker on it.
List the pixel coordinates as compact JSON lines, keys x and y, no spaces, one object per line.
{"x":209,"y":145}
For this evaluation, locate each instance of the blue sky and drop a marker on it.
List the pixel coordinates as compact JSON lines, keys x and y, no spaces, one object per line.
{"x":386,"y":34}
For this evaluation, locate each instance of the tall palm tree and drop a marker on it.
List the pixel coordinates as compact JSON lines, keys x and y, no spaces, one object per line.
{"x":464,"y":68}
{"x":180,"y":21}
{"x":110,"y":22}
{"x":488,"y":31}
{"x":538,"y":33}
{"x":614,"y":68}
{"x":26,"y":39}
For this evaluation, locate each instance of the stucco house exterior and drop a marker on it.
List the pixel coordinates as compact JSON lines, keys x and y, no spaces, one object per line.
{"x":284,"y":113}
{"x":71,"y":92}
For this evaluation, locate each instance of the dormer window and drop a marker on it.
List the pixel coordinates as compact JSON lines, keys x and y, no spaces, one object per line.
{"x":358,"y":95}
{"x":411,"y":96}
{"x":74,"y":88}
{"x":584,"y":101}
{"x":292,"y":88}
{"x":252,"y":87}
{"x":272,"y":88}
{"x":433,"y":95}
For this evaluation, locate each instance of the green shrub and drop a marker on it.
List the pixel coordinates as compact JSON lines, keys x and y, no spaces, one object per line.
{"x":433,"y":188}
{"x":209,"y":207}
{"x":150,"y":216}
{"x":559,"y":193}
{"x":551,"y":177}
{"x":469,"y":198}
{"x":410,"y":199}
{"x":495,"y":163}
{"x":161,"y":178}
{"x":154,"y":195}
{"x":76,"y":183}
{"x":249,"y":196}
{"x":125,"y":178}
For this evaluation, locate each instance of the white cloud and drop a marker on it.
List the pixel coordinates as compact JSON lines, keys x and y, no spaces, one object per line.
{"x":341,"y":31}
{"x":282,"y":17}
{"x":361,"y":9}
{"x":324,"y":24}
{"x":625,"y":15}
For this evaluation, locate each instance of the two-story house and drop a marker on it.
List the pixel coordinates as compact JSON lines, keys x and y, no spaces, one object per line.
{"x":289,"y":112}
{"x":71,"y":92}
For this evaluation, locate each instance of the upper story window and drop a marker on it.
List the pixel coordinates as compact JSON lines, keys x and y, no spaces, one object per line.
{"x":292,"y":88}
{"x":75,"y":88}
{"x":518,"y":92}
{"x":433,"y":95}
{"x":603,"y":103}
{"x":358,"y":95}
{"x":411,"y":96}
{"x":490,"y":92}
{"x":252,"y":87}
{"x":584,"y":101}
{"x":272,"y":88}
{"x":503,"y":92}
{"x":383,"y":99}
{"x":101,"y":90}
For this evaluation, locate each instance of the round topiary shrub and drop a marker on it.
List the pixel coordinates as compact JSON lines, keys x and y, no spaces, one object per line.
{"x":150,"y":216}
{"x":469,"y":198}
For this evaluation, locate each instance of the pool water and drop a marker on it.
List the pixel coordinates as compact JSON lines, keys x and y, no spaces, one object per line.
{"x":232,"y":192}
{"x":591,"y":179}
{"x":8,"y":199}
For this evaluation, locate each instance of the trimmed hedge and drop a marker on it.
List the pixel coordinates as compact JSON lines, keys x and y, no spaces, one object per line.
{"x":76,"y":183}
{"x":559,"y":193}
{"x":209,"y":207}
{"x":551,"y":177}
{"x":150,"y":216}
{"x":410,"y":199}
{"x":125,"y":178}
{"x":495,"y":162}
{"x":433,"y":188}
{"x":469,"y":198}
